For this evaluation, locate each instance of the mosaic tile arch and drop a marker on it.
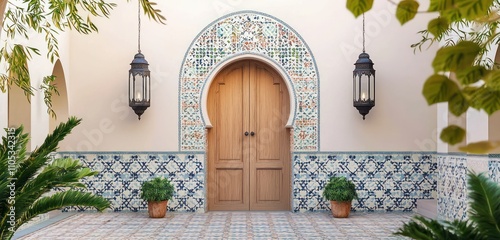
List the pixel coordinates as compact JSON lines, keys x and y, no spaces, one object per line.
{"x":256,"y":34}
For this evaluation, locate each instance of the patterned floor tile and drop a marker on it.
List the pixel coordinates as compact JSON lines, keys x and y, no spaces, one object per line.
{"x":229,"y":225}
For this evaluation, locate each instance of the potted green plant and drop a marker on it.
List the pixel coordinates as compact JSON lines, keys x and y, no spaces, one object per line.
{"x":340,"y":191}
{"x":157,"y":192}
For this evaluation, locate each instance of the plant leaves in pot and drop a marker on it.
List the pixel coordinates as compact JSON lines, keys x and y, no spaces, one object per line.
{"x":340,"y":191}
{"x":157,"y":192}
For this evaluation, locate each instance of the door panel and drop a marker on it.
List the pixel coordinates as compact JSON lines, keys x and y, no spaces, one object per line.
{"x":228,"y":181}
{"x":233,"y":182}
{"x":248,"y":172}
{"x":268,"y":180}
{"x":230,"y":117}
{"x":269,"y":161}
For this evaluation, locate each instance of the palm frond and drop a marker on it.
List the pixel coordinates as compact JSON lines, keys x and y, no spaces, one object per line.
{"x":63,"y":199}
{"x":39,"y":157}
{"x":12,"y":152}
{"x":421,"y":228}
{"x":60,"y":173}
{"x":465,"y":229}
{"x":484,"y":196}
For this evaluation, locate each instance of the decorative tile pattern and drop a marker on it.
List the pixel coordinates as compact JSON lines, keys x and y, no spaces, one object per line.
{"x":121,"y":175}
{"x":257,"y":34}
{"x":387,"y":182}
{"x":452,"y":187}
{"x":224,"y":225}
{"x":494,"y":169}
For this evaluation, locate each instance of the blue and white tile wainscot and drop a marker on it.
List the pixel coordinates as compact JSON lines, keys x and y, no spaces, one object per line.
{"x":385,"y":181}
{"x":121,"y":175}
{"x":494,"y":167}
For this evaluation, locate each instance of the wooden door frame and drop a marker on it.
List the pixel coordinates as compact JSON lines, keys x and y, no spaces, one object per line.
{"x":291,"y":94}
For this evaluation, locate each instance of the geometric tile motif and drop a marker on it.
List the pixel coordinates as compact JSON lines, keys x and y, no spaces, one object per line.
{"x":387,"y":182}
{"x":224,"y":225}
{"x":452,"y":187}
{"x":494,"y":169}
{"x":121,"y":175}
{"x":249,"y":33}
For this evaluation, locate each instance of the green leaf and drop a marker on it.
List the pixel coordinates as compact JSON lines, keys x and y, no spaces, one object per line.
{"x":484,"y":195}
{"x":453,"y":58}
{"x":473,"y":9}
{"x":487,"y":99}
{"x":339,"y":188}
{"x":429,"y":229}
{"x":438,"y":26}
{"x":439,"y":88}
{"x":493,"y":80}
{"x":452,"y":134}
{"x":452,"y":14}
{"x":64,"y":199}
{"x":358,"y":7}
{"x":406,"y":11}
{"x":479,"y":147}
{"x":458,"y":104}
{"x":469,"y":92}
{"x":438,"y":5}
{"x":471,"y":74}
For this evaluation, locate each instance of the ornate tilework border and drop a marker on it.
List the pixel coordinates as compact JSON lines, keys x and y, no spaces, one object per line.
{"x":386,"y":182}
{"x":452,"y":187}
{"x":494,"y":169}
{"x":251,"y":33}
{"x":121,"y":175}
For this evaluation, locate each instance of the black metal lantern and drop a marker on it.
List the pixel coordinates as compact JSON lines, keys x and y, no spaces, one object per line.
{"x":363,"y":81}
{"x":139,"y":79}
{"x":139,"y":83}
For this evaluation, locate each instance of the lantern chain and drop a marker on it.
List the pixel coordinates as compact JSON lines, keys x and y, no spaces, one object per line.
{"x":139,"y":26}
{"x":363,"y":32}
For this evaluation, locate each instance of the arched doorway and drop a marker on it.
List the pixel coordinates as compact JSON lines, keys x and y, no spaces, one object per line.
{"x":59,"y":102}
{"x":248,"y":145}
{"x":259,"y":36}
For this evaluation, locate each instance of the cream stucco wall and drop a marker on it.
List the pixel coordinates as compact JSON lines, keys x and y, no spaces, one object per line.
{"x":96,"y":69}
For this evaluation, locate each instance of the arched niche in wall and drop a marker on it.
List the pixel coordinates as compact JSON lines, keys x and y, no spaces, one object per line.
{"x":494,"y":119}
{"x":19,"y":110}
{"x":59,"y":102}
{"x":254,"y":35}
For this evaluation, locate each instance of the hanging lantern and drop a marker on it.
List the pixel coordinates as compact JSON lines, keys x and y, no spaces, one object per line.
{"x":139,"y":91}
{"x":139,"y":79}
{"x":364,"y":84}
{"x":363,"y":81}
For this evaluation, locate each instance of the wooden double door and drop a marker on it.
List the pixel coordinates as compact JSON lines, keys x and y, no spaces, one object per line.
{"x":248,"y":144}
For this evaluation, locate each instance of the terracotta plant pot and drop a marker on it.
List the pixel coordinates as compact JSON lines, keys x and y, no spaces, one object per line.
{"x":157,"y":209}
{"x":340,"y":209}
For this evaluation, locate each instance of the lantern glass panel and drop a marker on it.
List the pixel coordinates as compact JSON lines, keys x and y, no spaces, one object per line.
{"x":147,"y":89}
{"x":364,"y":88}
{"x":138,"y":88}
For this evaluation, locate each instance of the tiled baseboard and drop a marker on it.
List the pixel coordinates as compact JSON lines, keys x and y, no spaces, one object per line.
{"x":385,"y":181}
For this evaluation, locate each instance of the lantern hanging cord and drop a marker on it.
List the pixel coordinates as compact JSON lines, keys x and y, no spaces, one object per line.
{"x":139,"y":26}
{"x":363,"y":32}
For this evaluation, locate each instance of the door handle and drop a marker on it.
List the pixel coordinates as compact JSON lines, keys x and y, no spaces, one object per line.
{"x":246,"y":133}
{"x":252,"y":134}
